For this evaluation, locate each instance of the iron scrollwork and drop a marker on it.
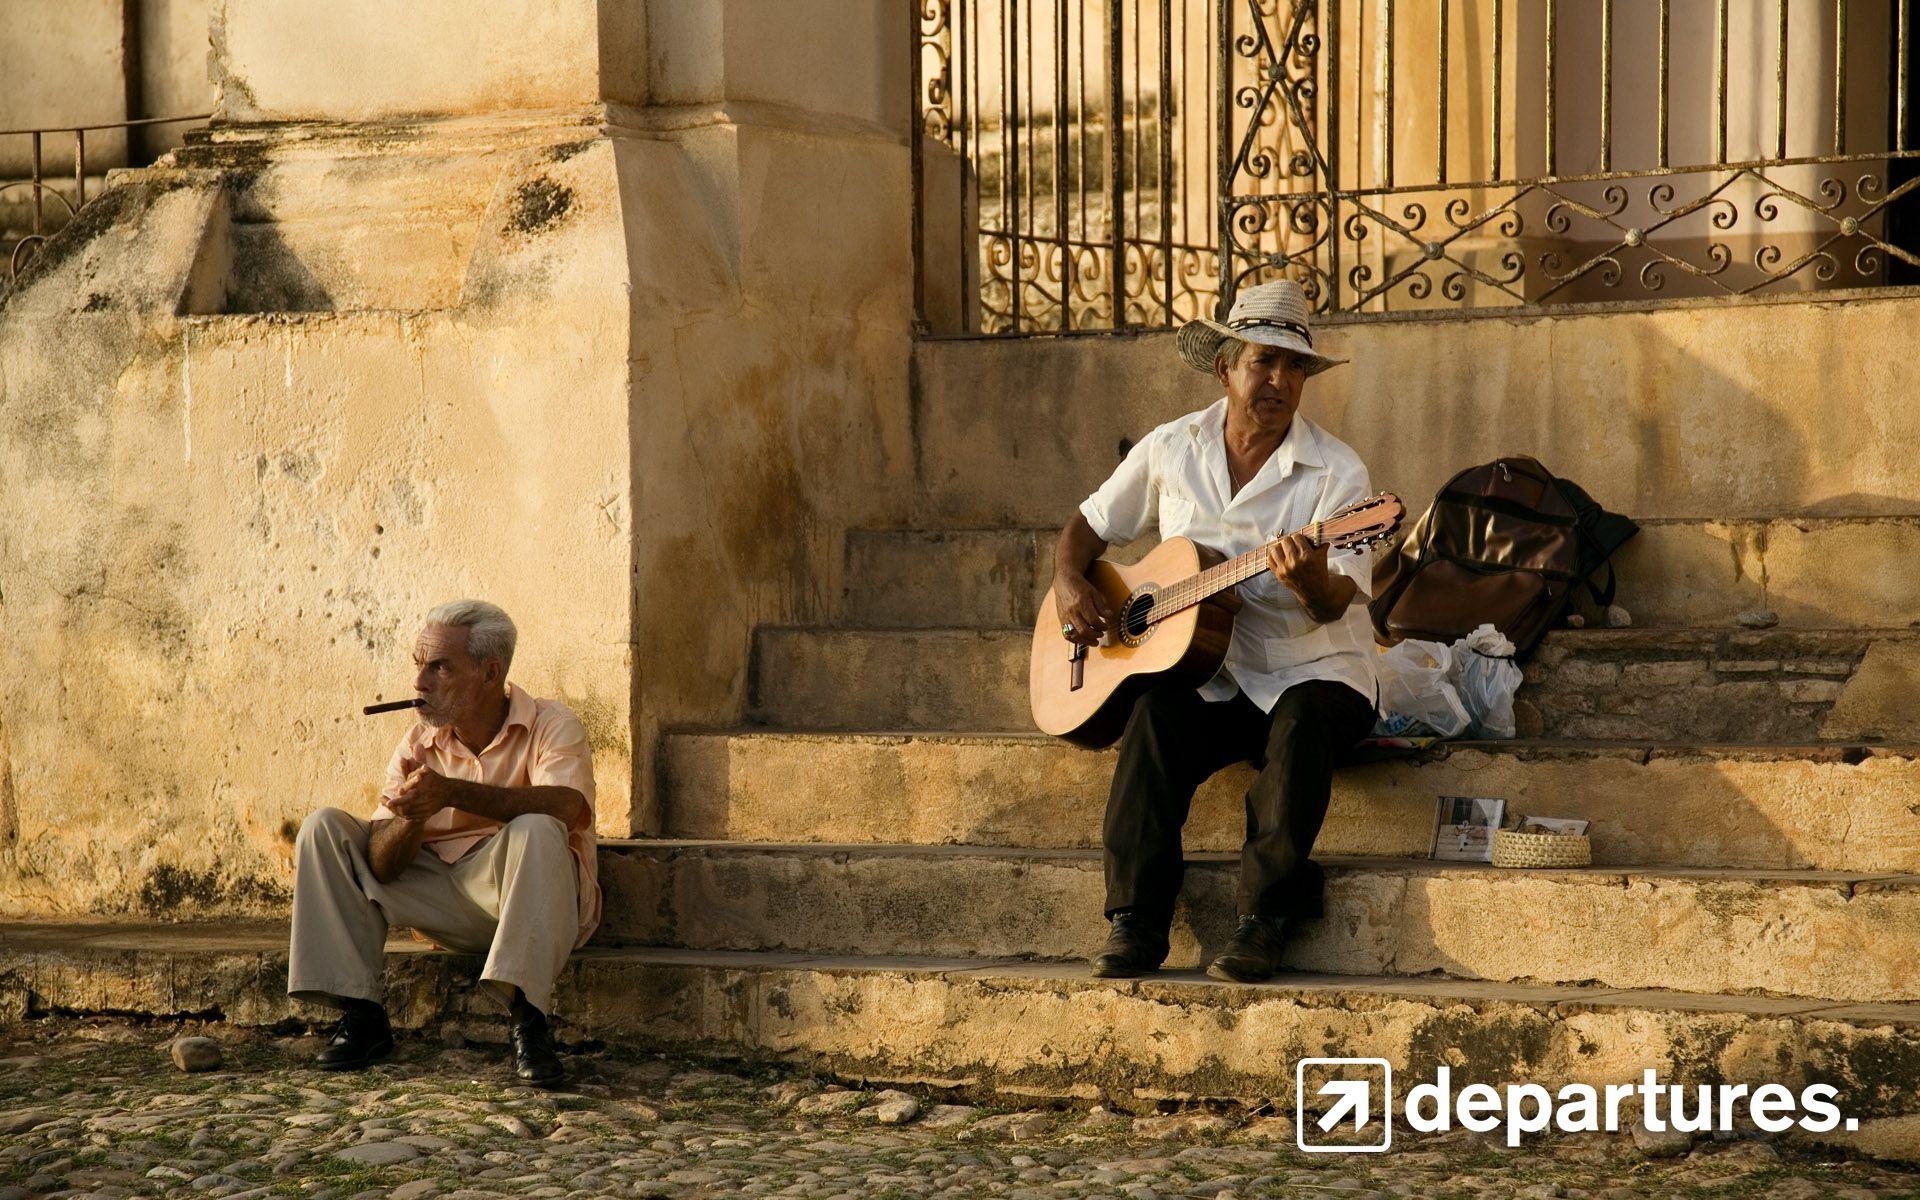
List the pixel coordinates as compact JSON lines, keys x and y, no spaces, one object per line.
{"x":1091,"y":207}
{"x":1720,"y":228}
{"x":1064,"y":245}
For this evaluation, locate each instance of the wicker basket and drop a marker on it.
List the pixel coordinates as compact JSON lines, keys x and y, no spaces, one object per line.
{"x":1511,"y":848}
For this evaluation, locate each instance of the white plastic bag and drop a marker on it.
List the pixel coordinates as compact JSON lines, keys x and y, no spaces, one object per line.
{"x":1417,"y":695}
{"x":1431,"y":690}
{"x":1485,"y":677}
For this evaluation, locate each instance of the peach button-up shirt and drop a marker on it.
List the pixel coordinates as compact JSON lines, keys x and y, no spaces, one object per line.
{"x":541,"y":744}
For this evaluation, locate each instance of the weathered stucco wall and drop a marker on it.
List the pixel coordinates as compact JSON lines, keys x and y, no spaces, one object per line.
{"x":221,"y":529}
{"x":64,"y":64}
{"x":366,"y":60}
{"x":1720,"y":410}
{"x":629,"y":372}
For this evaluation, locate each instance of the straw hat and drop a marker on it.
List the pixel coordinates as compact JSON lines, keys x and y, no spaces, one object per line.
{"x":1273,"y":314}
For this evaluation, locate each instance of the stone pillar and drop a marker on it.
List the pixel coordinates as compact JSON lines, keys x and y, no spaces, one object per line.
{"x":170,"y":58}
{"x":772,"y":280}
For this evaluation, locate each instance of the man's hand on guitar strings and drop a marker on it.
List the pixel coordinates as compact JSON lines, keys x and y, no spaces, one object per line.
{"x":1083,"y":611}
{"x":1301,"y":565}
{"x":1297,"y":562}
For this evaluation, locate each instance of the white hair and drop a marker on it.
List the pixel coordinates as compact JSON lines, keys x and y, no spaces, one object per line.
{"x":490,"y":631}
{"x":1230,"y":349}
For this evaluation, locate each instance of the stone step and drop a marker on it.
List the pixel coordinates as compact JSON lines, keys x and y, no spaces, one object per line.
{"x":1808,"y":572}
{"x":816,"y":678}
{"x":1763,"y":807}
{"x":1773,"y":685}
{"x":1843,"y":936}
{"x":1766,"y":686}
{"x":998,"y":1028}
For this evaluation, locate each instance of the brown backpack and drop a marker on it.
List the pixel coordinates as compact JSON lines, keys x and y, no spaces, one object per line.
{"x":1504,"y":543}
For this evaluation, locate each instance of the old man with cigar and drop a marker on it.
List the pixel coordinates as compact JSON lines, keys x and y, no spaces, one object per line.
{"x":483,"y":842}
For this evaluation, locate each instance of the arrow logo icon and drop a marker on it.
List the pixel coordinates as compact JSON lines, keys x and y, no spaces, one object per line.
{"x":1345,"y":1086}
{"x":1352,"y":1095}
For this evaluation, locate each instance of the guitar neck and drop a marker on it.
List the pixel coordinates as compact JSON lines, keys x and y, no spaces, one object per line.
{"x":1216,"y":579}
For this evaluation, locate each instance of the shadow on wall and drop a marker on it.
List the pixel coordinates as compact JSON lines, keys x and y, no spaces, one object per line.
{"x":270,"y":276}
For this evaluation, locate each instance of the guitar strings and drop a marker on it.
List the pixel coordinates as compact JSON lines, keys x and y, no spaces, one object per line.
{"x":1163,"y":611}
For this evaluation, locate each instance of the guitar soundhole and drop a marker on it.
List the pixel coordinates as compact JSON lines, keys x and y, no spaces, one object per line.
{"x":1134,"y":622}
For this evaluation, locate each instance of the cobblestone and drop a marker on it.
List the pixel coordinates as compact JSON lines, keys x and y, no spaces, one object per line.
{"x":99,"y":1110}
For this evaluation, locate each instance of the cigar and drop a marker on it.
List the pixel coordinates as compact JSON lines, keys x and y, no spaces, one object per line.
{"x":392,"y":706}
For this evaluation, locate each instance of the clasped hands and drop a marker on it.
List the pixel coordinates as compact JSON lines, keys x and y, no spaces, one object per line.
{"x":423,"y":792}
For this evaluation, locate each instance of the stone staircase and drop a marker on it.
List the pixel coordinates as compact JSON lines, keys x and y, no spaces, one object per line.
{"x":885,"y":873}
{"x":889,"y":877}
{"x":1767,"y":686}
{"x":1753,"y":912}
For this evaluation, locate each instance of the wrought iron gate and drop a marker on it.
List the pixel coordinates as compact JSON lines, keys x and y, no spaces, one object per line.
{"x":1399,"y":155}
{"x":1563,"y":184}
{"x":1075,"y":143}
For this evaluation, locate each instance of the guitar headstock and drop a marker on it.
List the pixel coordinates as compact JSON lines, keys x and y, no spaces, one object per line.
{"x":1362,"y":523}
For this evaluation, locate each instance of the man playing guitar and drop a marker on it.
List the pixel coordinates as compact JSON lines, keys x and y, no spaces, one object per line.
{"x":1297,"y":687}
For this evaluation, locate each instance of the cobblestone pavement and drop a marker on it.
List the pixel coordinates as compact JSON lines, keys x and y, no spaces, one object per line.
{"x":101,"y":1110}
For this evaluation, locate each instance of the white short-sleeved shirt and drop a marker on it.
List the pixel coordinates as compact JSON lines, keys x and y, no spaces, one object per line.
{"x":1176,"y":478}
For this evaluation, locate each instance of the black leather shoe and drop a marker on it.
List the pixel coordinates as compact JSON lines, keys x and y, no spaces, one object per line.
{"x":535,"y":1060}
{"x":361,"y":1037}
{"x":1136,"y":946}
{"x":1254,"y":953}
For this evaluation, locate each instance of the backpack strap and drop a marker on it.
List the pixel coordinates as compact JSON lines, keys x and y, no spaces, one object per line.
{"x":1603,"y":596}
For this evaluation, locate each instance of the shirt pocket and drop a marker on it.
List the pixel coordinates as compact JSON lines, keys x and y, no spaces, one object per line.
{"x":1177,"y":515}
{"x":1284,"y":652}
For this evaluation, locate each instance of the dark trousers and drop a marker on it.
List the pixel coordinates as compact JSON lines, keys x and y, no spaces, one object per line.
{"x":1175,"y":740}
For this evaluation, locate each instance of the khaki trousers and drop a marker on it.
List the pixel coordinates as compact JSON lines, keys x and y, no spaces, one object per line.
{"x":513,"y":898}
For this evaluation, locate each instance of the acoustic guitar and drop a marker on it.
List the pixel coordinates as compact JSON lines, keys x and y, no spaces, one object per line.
{"x":1175,"y":610}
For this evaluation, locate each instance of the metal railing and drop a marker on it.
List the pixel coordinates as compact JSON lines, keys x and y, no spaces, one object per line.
{"x":1395,"y":156}
{"x":41,"y":188}
{"x":1066,"y":161}
{"x":1577,"y":150}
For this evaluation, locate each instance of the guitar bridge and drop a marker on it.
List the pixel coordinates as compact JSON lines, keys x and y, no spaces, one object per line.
{"x":1079,"y":673}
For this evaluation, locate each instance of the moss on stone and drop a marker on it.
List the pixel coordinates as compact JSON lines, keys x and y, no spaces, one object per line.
{"x":538,"y":204}
{"x":170,"y":889}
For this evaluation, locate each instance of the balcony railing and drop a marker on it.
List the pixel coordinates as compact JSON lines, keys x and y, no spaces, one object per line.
{"x":1068,"y":158}
{"x":51,"y":197}
{"x":1405,"y":156}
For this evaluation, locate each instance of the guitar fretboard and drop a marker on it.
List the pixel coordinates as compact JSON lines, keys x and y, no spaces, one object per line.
{"x":1215,"y":579}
